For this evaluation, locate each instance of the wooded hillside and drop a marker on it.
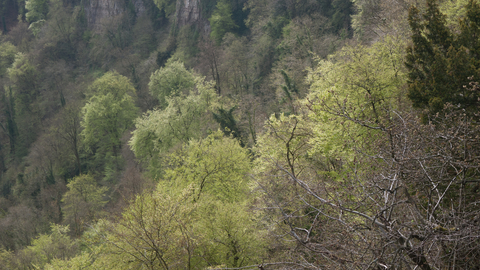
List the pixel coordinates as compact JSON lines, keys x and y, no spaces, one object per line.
{"x":239,"y":134}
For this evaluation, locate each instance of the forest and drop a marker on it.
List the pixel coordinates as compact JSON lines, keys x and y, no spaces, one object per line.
{"x":239,"y":134}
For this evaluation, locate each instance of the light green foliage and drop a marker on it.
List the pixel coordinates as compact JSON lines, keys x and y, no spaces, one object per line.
{"x":357,"y":87}
{"x":186,"y":117}
{"x":82,"y":261}
{"x":454,"y":11}
{"x":216,"y":165}
{"x":221,"y":21}
{"x":5,"y":257}
{"x":109,"y":112}
{"x":285,"y":140}
{"x":354,"y":89}
{"x":215,"y":169}
{"x":7,"y":56}
{"x":176,"y":228}
{"x":96,"y":254}
{"x":172,"y":80}
{"x":56,"y":245}
{"x":168,"y":6}
{"x":36,"y":14}
{"x":44,"y":249}
{"x":83,"y":201}
{"x":375,"y":19}
{"x":231,"y":234}
{"x":23,"y":94}
{"x":36,"y":10}
{"x":24,"y":78}
{"x":286,"y":146}
{"x":155,"y":232}
{"x":308,"y":160}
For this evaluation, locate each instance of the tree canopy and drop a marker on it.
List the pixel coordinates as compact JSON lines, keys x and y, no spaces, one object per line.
{"x":269,"y":134}
{"x":109,"y":112}
{"x":441,"y":62}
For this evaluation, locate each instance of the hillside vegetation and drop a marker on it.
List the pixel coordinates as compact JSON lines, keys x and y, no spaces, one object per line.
{"x":246,"y":134}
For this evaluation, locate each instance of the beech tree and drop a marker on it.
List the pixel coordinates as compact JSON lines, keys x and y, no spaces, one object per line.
{"x":83,"y":201}
{"x":155,"y":232}
{"x":36,"y":10}
{"x":109,"y":112}
{"x":358,"y":182}
{"x":8,"y":123}
{"x":216,"y":165}
{"x":23,"y":95}
{"x":7,"y":56}
{"x":43,"y":250}
{"x":362,"y":84}
{"x":198,"y":215}
{"x":186,"y":117}
{"x":169,"y":81}
{"x":68,"y":129}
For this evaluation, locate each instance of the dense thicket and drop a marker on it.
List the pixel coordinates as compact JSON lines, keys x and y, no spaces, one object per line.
{"x":440,"y":61}
{"x":270,"y":134}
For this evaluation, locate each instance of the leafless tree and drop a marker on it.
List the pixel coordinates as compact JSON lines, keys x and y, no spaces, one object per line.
{"x":407,"y":198}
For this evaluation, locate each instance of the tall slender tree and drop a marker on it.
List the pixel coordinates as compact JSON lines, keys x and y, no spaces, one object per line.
{"x":440,"y":61}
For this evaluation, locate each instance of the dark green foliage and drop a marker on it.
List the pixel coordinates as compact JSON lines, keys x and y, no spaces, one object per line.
{"x":166,"y":7}
{"x":157,"y":16}
{"x":228,"y":123}
{"x":440,"y":62}
{"x":470,"y":31}
{"x":40,"y":144}
{"x":163,"y":56}
{"x":143,"y":40}
{"x":10,"y":125}
{"x":342,"y":9}
{"x":24,"y":99}
{"x":36,"y":10}
{"x":275,"y":25}
{"x":221,"y":21}
{"x":207,"y":8}
{"x":8,"y":14}
{"x":187,"y":40}
{"x":239,"y":15}
{"x":337,"y":11}
{"x":289,"y":87}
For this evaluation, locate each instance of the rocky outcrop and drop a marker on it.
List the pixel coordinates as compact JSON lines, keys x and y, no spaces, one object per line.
{"x":96,"y":10}
{"x":187,"y":12}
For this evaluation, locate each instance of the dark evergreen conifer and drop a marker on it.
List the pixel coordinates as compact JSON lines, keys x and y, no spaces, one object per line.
{"x":228,"y":123}
{"x":441,"y":62}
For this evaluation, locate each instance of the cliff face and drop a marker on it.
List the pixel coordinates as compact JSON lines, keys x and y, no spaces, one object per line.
{"x":96,"y":10}
{"x":187,"y":12}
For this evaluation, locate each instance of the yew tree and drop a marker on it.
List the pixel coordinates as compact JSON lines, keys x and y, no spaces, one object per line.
{"x":441,"y":61}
